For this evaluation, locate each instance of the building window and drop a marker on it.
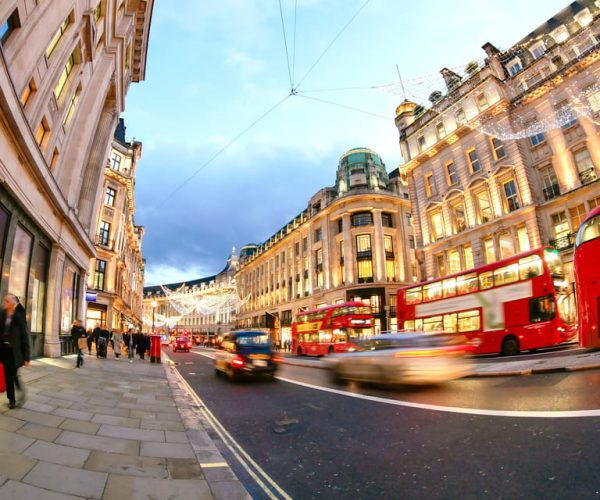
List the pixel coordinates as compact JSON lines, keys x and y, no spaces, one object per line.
{"x":409,"y":220}
{"x":99,"y":274}
{"x":11,"y":24}
{"x":485,"y":213}
{"x":469,"y":262}
{"x":362,"y":219}
{"x":109,"y":197}
{"x":594,"y":202}
{"x":511,"y":197}
{"x":451,"y":173}
{"x":28,"y":92}
{"x":585,"y":166}
{"x":460,"y":116}
{"x":72,"y":106}
{"x":482,"y":102}
{"x":560,"y":226}
{"x":538,"y":50}
{"x":566,"y":116}
{"x":42,"y":133}
{"x":297,"y":248}
{"x":421,"y":143}
{"x":115,"y":161}
{"x":64,"y":76}
{"x":18,"y":278}
{"x":363,"y":246}
{"x":440,"y":265}
{"x":319,"y":267}
{"x":340,"y":225}
{"x":364,"y":258}
{"x":436,"y":223}
{"x":550,"y":187}
{"x":440,"y":130}
{"x":507,"y":246}
{"x":58,"y":35}
{"x":388,"y":246}
{"x":387,"y":220}
{"x":473,"y":160}
{"x":490,"y":251}
{"x":458,"y":217}
{"x":454,"y":262}
{"x":577,"y":214}
{"x":429,"y":185}
{"x":523,"y":239}
{"x":411,"y":241}
{"x":514,"y":67}
{"x":104,"y":233}
{"x":497,"y":148}
{"x":318,"y":234}
{"x":536,"y":139}
{"x":592,"y":94}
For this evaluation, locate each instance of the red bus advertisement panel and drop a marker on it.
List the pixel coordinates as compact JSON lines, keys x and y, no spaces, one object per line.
{"x":587,"y":279}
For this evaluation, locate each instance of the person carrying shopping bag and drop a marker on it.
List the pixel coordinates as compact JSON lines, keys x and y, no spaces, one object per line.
{"x":78,"y":334}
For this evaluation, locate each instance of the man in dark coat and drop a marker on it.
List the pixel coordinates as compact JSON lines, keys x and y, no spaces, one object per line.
{"x":15,"y":348}
{"x":77,"y":332}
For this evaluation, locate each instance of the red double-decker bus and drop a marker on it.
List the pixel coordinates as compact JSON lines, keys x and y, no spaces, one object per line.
{"x":516,"y":304}
{"x":587,"y":279}
{"x":330,"y":329}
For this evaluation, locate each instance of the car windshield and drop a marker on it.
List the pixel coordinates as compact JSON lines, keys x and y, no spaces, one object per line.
{"x":258,"y":339}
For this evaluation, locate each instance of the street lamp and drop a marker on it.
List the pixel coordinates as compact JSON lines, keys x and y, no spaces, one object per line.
{"x":153,"y":304}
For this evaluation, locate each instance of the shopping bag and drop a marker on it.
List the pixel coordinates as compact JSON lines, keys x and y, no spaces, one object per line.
{"x":2,"y":384}
{"x":82,"y":343}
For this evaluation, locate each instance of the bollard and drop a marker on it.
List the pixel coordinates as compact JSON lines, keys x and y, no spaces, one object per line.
{"x":155,"y":349}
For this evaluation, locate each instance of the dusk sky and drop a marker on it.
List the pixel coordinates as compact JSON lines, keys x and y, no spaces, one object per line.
{"x":229,"y":156}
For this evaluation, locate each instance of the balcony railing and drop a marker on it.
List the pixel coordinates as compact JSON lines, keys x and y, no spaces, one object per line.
{"x":551,"y":192}
{"x":588,"y":176}
{"x":564,"y":242}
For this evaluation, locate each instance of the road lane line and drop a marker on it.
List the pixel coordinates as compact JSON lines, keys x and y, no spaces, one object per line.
{"x":453,"y":409}
{"x":232,"y":445}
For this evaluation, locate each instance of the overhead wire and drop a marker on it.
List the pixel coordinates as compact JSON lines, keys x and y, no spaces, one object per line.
{"x":294,"y":55}
{"x":343,"y":106}
{"x":287,"y":55}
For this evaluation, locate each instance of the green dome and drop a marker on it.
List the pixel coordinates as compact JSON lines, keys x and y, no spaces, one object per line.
{"x":361,"y":168}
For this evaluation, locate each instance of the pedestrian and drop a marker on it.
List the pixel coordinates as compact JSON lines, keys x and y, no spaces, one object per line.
{"x":89,"y":340}
{"x":117,"y":343}
{"x":96,"y":336}
{"x":78,"y":335}
{"x":131,"y":345}
{"x":15,"y":350}
{"x":140,"y":344}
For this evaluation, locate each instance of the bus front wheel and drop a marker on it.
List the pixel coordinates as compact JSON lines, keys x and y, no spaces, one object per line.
{"x":510,"y":346}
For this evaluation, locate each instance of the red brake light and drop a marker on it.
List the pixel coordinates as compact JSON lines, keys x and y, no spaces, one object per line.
{"x":237,"y":361}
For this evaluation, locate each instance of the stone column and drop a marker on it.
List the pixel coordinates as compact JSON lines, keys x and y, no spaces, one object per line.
{"x":349,"y":259}
{"x":53,"y":302}
{"x":92,"y":176}
{"x":593,"y":141}
{"x":378,"y":244}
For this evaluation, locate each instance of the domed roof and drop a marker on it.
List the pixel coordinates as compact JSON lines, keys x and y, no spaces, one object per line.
{"x":361,"y":167}
{"x":405,"y":106}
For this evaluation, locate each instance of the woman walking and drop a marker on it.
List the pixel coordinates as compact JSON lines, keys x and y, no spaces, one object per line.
{"x":117,"y":338}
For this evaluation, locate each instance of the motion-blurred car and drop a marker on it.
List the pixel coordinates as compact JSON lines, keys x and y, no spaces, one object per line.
{"x":164,"y":340}
{"x":414,"y":358}
{"x":245,"y":352}
{"x":182,"y":344}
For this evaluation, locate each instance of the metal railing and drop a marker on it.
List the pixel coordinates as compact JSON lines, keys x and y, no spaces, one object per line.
{"x":564,"y":242}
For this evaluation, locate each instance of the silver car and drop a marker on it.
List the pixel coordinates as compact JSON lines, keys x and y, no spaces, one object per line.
{"x":414,"y":358}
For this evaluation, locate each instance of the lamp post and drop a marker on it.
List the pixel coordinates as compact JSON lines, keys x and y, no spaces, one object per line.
{"x":153,"y":304}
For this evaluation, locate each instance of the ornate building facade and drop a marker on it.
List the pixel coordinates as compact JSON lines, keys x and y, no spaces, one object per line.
{"x":507,"y":158}
{"x":202,"y":307}
{"x":116,"y":275}
{"x":353,"y":242}
{"x":65,"y":68}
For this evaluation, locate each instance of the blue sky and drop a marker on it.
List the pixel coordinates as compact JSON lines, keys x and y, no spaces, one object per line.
{"x":229,"y":156}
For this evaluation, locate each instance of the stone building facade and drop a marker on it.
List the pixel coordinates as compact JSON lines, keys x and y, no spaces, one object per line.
{"x":507,"y":158}
{"x":353,"y":242}
{"x":65,"y":68}
{"x":116,"y":274}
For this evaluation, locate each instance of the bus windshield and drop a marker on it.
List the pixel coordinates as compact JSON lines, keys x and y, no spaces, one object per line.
{"x":552,"y":258}
{"x":589,"y":230}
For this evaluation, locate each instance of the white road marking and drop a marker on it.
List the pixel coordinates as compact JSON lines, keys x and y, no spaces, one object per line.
{"x":449,"y":409}
{"x":453,"y":409}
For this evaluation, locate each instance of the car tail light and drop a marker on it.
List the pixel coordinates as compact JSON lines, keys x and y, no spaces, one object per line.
{"x":237,"y":361}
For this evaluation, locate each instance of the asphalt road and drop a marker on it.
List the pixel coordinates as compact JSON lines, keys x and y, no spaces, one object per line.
{"x":473,"y":438}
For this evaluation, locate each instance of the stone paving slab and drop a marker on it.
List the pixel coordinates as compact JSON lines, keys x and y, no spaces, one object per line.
{"x":136,"y":488}
{"x":100,"y":443}
{"x":14,"y":466}
{"x":37,"y":431}
{"x":115,"y":463}
{"x":166,"y":450}
{"x":13,"y":490}
{"x":58,"y":454}
{"x":15,"y":443}
{"x":67,"y":480}
{"x":129,"y":433}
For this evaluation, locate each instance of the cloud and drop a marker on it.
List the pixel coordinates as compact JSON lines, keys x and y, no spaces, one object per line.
{"x":162,"y":274}
{"x":244,"y":64}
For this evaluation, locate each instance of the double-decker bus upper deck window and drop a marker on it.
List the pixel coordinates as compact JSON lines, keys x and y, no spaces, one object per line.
{"x":530,"y":267}
{"x":468,"y":321}
{"x":361,"y":310}
{"x":486,"y":280}
{"x":467,"y":283}
{"x":450,"y":287}
{"x":555,"y":264}
{"x":589,"y":230}
{"x":506,"y":274}
{"x":413,"y":295}
{"x":433,"y":324}
{"x":432,"y":291}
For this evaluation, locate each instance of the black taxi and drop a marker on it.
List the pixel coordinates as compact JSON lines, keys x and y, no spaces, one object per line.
{"x":245,"y":352}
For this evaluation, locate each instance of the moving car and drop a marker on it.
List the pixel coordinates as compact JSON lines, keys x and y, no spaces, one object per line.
{"x":164,"y":340}
{"x":415,"y":358}
{"x":245,"y":352}
{"x":182,"y":344}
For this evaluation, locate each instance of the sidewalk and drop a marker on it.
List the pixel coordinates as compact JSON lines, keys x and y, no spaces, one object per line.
{"x":110,"y":430}
{"x":580,"y":359}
